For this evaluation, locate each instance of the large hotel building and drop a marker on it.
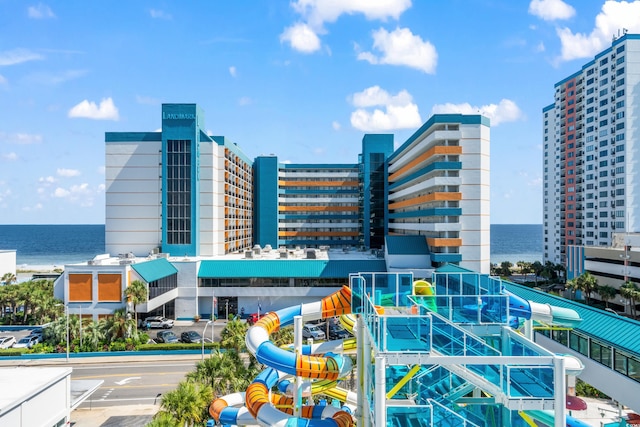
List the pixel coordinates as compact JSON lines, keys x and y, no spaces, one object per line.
{"x":591,"y":189}
{"x":193,"y":216}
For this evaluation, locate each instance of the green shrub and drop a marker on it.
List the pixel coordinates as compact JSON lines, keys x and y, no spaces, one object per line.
{"x":13,"y":352}
{"x":587,"y":390}
{"x":177,"y":346}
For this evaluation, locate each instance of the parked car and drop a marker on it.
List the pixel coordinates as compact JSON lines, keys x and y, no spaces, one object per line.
{"x":166,"y":337}
{"x":190,"y":337}
{"x":312,"y":331}
{"x":26,"y":342}
{"x":254,"y":317}
{"x":7,"y":342}
{"x":38,"y":333}
{"x":158,"y":322}
{"x":337,"y":332}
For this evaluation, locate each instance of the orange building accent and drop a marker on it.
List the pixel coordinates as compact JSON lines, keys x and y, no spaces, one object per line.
{"x":443,"y":242}
{"x":433,"y":197}
{"x":317,"y":208}
{"x":80,"y":287}
{"x":110,"y":287}
{"x":317,"y":183}
{"x":439,"y":150}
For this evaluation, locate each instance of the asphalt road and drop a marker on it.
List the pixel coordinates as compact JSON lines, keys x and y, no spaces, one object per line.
{"x":131,"y":382}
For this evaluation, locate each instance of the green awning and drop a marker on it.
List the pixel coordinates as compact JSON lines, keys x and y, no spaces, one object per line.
{"x":248,"y":268}
{"x":150,"y":271}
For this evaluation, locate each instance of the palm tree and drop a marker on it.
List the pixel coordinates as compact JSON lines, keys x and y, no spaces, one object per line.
{"x":9,"y":278}
{"x":587,"y":283}
{"x":631,"y":292}
{"x":94,"y":334}
{"x":233,"y":335}
{"x":607,"y":293}
{"x":572,"y":285}
{"x":137,"y":293}
{"x":162,"y":419}
{"x":505,"y":268}
{"x":187,"y":404}
{"x":537,"y":268}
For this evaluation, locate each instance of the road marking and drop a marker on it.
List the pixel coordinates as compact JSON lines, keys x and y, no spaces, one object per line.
{"x":89,"y":377}
{"x":126,"y":380}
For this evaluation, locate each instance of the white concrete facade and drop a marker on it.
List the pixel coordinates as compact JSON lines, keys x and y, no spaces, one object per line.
{"x":590,"y":174}
{"x":427,"y":188}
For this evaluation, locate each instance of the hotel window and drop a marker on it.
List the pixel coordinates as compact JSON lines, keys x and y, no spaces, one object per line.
{"x":604,"y":71}
{"x":178,"y":192}
{"x":603,"y":82}
{"x":620,"y":49}
{"x":620,"y":93}
{"x":620,"y":82}
{"x":620,"y":60}
{"x":620,"y":71}
{"x":620,"y":104}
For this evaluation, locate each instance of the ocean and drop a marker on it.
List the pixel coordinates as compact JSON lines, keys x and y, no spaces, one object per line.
{"x":516,"y":242}
{"x":52,"y":244}
{"x":68,"y":244}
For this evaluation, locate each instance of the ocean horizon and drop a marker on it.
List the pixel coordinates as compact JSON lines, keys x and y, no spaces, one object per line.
{"x":60,"y":244}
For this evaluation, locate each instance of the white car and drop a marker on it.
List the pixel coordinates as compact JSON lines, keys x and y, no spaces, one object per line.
{"x":7,"y":342}
{"x":158,"y":322}
{"x":26,"y":342}
{"x":312,"y":331}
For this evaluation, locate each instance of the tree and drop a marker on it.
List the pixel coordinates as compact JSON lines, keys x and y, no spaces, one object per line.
{"x":9,"y":278}
{"x":607,"y":293}
{"x":537,"y":269}
{"x":137,"y":293}
{"x":187,"y":404}
{"x":631,"y":292}
{"x":233,"y":335}
{"x":505,"y":268}
{"x":587,"y":284}
{"x":572,"y":285}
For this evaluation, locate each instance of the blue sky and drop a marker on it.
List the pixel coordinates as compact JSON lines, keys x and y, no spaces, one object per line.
{"x":303,"y":80}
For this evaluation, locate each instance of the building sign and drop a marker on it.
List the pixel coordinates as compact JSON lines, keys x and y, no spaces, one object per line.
{"x":178,"y":116}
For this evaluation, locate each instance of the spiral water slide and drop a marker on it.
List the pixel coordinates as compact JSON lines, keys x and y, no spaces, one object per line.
{"x":271,"y":409}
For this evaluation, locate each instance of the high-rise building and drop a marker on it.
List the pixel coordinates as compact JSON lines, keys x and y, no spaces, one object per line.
{"x":185,"y":193}
{"x":590,"y":163}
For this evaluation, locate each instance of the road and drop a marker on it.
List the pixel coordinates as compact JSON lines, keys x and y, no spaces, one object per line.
{"x":131,"y":382}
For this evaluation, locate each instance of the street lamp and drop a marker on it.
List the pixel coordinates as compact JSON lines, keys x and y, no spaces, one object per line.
{"x":209,"y":322}
{"x":66,"y":314}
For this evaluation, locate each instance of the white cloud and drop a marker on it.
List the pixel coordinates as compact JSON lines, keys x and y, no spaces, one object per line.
{"x":160,"y":14}
{"x":301,"y":38}
{"x":397,"y":112}
{"x":55,"y":79}
{"x":233,"y":71}
{"x":41,"y":11}
{"x":10,"y":157}
{"x":613,"y":17}
{"x":80,"y":194}
{"x":317,"y":12}
{"x":3,"y":80}
{"x":245,"y":100}
{"x":336,"y":125}
{"x":67,"y":173}
{"x":540,"y":47}
{"x":21,"y":138}
{"x":105,"y":111}
{"x":47,"y":179}
{"x":402,"y":47}
{"x":503,"y":112}
{"x":551,"y":10}
{"x":18,"y":56}
{"x":147,"y":100}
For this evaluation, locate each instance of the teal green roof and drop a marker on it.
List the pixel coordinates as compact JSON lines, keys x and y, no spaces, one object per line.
{"x":287,"y":268}
{"x":619,"y":331}
{"x":407,"y":245}
{"x":453,"y":268}
{"x":157,"y":269}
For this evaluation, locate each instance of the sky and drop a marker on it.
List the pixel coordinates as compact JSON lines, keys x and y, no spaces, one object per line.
{"x":302,"y":79}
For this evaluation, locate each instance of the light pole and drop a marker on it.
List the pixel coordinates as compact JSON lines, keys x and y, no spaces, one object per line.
{"x":209,"y":322}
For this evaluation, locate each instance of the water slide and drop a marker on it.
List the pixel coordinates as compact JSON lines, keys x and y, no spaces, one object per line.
{"x":330,"y":367}
{"x":543,"y":313}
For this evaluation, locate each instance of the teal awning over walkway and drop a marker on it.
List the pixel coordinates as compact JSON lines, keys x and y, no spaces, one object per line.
{"x":287,"y":268}
{"x":150,"y":271}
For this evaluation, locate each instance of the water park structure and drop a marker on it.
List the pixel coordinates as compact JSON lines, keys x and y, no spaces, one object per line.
{"x":455,"y":350}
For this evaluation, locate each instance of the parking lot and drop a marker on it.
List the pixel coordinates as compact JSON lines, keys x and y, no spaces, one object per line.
{"x":178,"y":328}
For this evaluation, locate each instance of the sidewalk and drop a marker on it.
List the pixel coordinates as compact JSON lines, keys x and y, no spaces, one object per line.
{"x":117,"y":416}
